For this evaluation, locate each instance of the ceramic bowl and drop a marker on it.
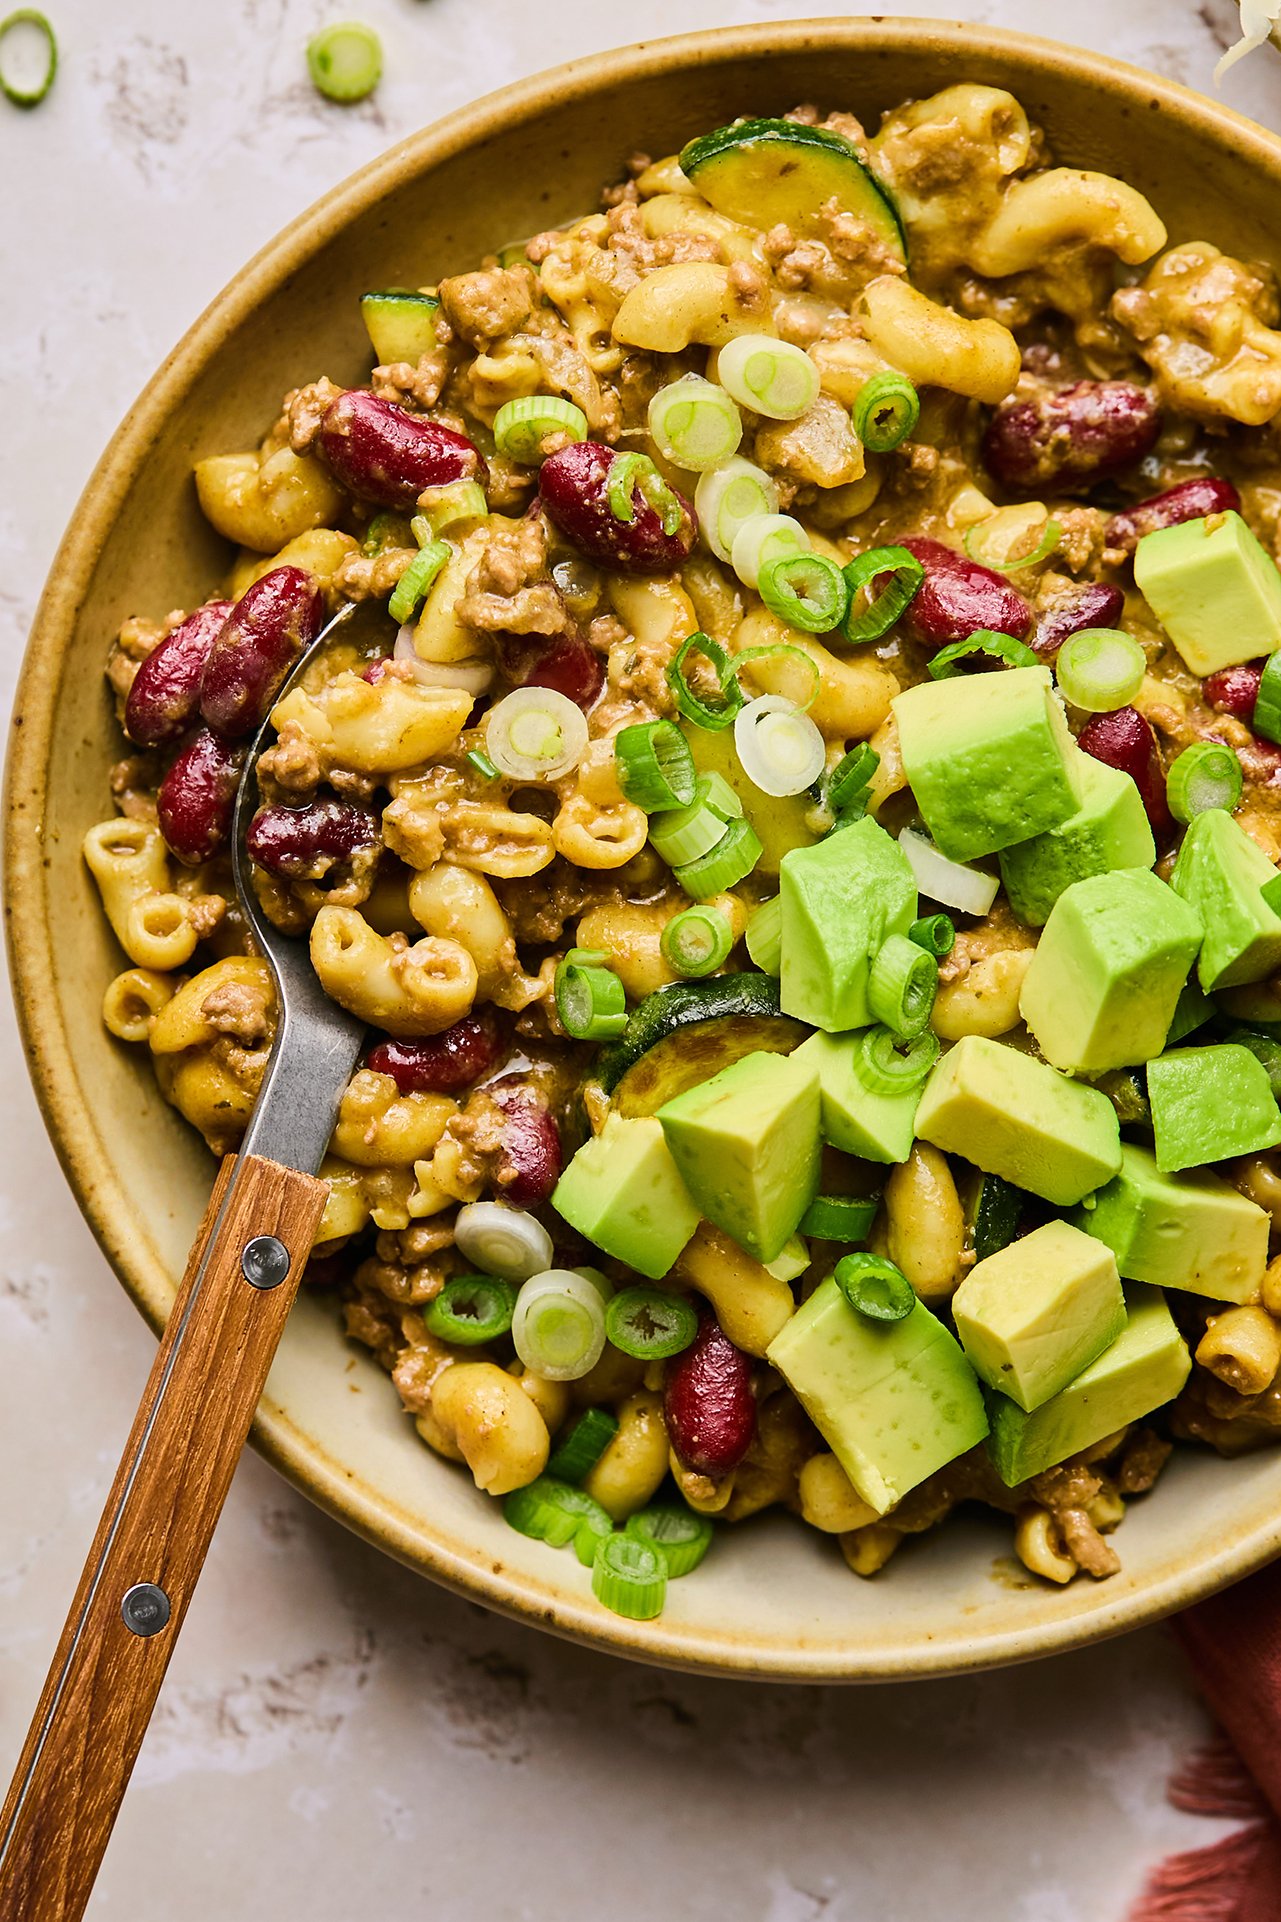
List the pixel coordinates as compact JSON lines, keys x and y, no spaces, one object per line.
{"x":774,"y":1600}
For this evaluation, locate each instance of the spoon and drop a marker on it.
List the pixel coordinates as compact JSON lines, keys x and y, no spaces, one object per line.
{"x":192,"y":1423}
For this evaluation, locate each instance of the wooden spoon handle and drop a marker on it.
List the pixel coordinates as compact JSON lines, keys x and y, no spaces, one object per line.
{"x":155,"y":1530}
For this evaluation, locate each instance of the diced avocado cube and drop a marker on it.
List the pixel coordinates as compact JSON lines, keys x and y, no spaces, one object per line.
{"x":1015,"y":1117}
{"x":1221,"y":871}
{"x":1109,"y":830}
{"x":989,"y":759}
{"x":1209,"y":1103}
{"x":1033,"y":1316}
{"x":877,"y":1127}
{"x":747,"y":1143}
{"x":1144,"y":1368}
{"x":1102,"y":987}
{"x":622,"y":1190}
{"x":841,"y":900}
{"x":1214,"y":588}
{"x":893,"y":1400}
{"x":1179,"y":1231}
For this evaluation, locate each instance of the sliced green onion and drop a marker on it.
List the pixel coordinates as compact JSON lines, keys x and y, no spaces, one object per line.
{"x":582,"y":1447}
{"x":559,"y":1325}
{"x":686,"y":833}
{"x":681,"y":1537}
{"x":590,"y":1000}
{"x":1206,"y":775}
{"x":345,"y":61}
{"x":998,"y":647}
{"x":521,"y":426}
{"x":1100,"y":669}
{"x":650,"y":1324}
{"x":629,"y":473}
{"x":902,"y":985}
{"x":765,"y":538}
{"x":502,"y":1241}
{"x":839,"y":1218}
{"x":482,"y":764}
{"x":882,"y":1069}
{"x":874,"y":1287}
{"x":730,"y":861}
{"x":552,"y":1511}
{"x":696,"y":942}
{"x":770,"y":376}
{"x":460,"y":501}
{"x":384,"y":531}
{"x":884,"y":609}
{"x":729,"y":496}
{"x":1001,"y":560}
{"x":968,"y":890}
{"x":765,"y":936}
{"x":416,"y":579}
{"x":885,"y":412}
{"x":935,"y":933}
{"x":782,"y":651}
{"x":694,"y":424}
{"x":592,"y":1531}
{"x":29,"y":93}
{"x":535,"y":734}
{"x":805,"y":590}
{"x":779,"y":747}
{"x":654,"y":766}
{"x":691,"y":705}
{"x":1266,"y":719}
{"x":851,"y":776}
{"x":629,"y":1577}
{"x":471,"y":1309}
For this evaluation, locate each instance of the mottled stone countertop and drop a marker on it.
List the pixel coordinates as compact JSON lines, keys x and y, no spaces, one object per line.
{"x":338,"y":1738}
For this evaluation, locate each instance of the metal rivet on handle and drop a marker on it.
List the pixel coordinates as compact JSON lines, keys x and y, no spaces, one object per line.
{"x":265,"y":1262}
{"x":145,"y":1609}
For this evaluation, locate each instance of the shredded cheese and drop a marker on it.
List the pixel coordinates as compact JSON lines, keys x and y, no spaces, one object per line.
{"x":1258,"y":18}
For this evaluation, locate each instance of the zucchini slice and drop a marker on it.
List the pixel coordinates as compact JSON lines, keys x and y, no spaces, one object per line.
{"x":761,"y":172}
{"x":401,"y":326}
{"x":673,"y":1010}
{"x":696,"y":1053}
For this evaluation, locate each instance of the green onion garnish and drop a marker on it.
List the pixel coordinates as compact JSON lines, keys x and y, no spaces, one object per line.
{"x":590,"y":999}
{"x":882,"y":1069}
{"x":850,"y":778}
{"x":805,"y":590}
{"x":1001,"y":559}
{"x":770,"y":376}
{"x":31,"y":92}
{"x":535,"y":734}
{"x":1206,"y":775}
{"x":881,"y":612}
{"x":559,"y":1324}
{"x":1100,"y":669}
{"x":471,"y":1309}
{"x":935,"y":933}
{"x":901,"y":987}
{"x":874,"y":1287}
{"x":521,"y":426}
{"x":694,"y":424}
{"x":460,"y":501}
{"x":730,"y":861}
{"x":681,"y":1537}
{"x":345,"y":61}
{"x":416,"y":579}
{"x":765,"y":538}
{"x":790,"y":655}
{"x":550,"y":1510}
{"x":999,"y":647}
{"x":1266,"y":719}
{"x":629,"y":473}
{"x":779,"y":748}
{"x":483,"y":765}
{"x":629,"y":1576}
{"x":685,"y":834}
{"x":765,"y":936}
{"x":691,"y":705}
{"x":592,"y":1530}
{"x":654,"y":766}
{"x":839,"y":1218}
{"x":582,"y":1447}
{"x":885,"y":412}
{"x":729,"y":496}
{"x":384,"y":531}
{"x":649,"y":1323}
{"x":696,"y":942}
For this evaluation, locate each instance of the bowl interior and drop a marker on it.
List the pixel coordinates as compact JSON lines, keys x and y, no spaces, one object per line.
{"x":774,"y":1600}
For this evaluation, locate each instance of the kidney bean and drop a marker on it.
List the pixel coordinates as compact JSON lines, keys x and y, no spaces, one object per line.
{"x":1070,"y":439}
{"x":1234,"y":690}
{"x":1124,"y":740}
{"x":531,"y":1157}
{"x":383,"y":453}
{"x":445,"y":1064}
{"x":165,"y":695}
{"x":709,"y":1404}
{"x":1098,"y":604}
{"x":196,"y":798}
{"x":1189,"y":501}
{"x":958,"y":597}
{"x":271,"y":624}
{"x":304,"y":843}
{"x":568,"y":663}
{"x":574,"y":489}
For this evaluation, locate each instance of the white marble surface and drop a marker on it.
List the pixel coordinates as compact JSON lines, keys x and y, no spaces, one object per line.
{"x":336,"y":1736}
